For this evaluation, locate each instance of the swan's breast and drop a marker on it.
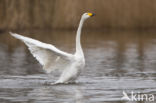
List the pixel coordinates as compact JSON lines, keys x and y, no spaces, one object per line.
{"x":79,"y":62}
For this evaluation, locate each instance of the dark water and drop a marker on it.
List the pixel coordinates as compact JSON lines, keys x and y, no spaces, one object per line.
{"x":115,"y":62}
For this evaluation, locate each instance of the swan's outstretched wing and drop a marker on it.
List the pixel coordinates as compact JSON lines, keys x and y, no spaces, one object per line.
{"x":48,"y":55}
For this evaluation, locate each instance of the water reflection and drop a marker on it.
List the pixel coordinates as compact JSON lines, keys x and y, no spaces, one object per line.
{"x":115,"y":61}
{"x":70,"y":93}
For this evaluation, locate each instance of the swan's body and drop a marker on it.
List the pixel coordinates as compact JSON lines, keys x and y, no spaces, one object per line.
{"x":52,"y":58}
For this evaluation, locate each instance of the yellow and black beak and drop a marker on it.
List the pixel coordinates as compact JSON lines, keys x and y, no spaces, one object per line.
{"x":91,"y":14}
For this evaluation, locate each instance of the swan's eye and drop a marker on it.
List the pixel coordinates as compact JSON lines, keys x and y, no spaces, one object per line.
{"x":90,"y":14}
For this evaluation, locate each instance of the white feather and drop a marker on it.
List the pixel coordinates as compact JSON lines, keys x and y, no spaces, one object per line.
{"x":47,"y":55}
{"x":52,"y":58}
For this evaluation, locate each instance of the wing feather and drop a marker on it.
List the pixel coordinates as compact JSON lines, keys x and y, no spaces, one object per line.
{"x":46,"y":54}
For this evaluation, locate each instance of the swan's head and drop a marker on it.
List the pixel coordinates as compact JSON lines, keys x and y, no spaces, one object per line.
{"x":87,"y":15}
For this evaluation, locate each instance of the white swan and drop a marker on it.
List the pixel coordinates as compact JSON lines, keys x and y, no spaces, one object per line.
{"x":52,"y":58}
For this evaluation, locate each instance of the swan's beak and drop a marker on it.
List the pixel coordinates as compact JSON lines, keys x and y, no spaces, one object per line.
{"x":91,"y":14}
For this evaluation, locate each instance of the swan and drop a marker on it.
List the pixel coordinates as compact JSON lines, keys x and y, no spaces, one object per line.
{"x":52,"y":58}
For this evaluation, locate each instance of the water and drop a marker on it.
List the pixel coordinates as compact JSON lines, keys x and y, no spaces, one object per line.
{"x":115,"y":62}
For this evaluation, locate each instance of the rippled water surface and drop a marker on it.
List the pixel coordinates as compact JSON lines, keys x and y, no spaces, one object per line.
{"x":115,"y":62}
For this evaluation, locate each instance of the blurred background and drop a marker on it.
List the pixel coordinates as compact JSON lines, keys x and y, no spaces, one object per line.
{"x":119,"y":44}
{"x":65,"y":14}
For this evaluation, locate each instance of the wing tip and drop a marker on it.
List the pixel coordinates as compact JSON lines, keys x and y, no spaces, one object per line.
{"x":12,"y":34}
{"x":15,"y":35}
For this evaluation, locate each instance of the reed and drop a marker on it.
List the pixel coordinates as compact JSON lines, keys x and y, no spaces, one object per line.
{"x":65,"y":14}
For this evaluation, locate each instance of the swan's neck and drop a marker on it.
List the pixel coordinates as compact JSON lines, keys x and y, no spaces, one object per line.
{"x":79,"y":50}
